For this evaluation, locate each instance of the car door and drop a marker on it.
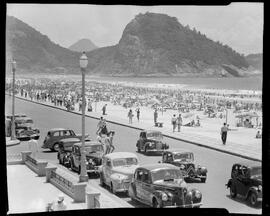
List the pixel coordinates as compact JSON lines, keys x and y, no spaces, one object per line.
{"x":241,"y":181}
{"x":54,"y":138}
{"x":146,"y":186}
{"x":142,"y":140}
{"x":138,"y":184}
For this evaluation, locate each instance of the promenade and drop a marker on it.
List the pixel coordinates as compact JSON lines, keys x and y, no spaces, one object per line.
{"x":240,"y":141}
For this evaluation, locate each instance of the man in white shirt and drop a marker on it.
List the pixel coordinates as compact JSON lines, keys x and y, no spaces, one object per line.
{"x":33,"y":146}
{"x":60,"y":205}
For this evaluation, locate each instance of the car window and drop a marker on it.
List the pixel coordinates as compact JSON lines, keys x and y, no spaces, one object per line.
{"x":71,"y":133}
{"x":108,"y":163}
{"x":139,"y":176}
{"x":56,"y":133}
{"x":146,"y":177}
{"x":143,"y":135}
{"x":49,"y":133}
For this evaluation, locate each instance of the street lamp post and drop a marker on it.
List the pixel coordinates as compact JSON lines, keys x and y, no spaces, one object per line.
{"x":83,"y":65}
{"x":13,"y":100}
{"x":226,"y":115}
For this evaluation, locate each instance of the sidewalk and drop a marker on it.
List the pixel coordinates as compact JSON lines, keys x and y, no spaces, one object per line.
{"x":29,"y":193}
{"x":240,"y":142}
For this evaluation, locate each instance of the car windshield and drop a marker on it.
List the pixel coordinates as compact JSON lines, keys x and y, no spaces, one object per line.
{"x":156,"y":135}
{"x":166,"y":174}
{"x":93,"y":148}
{"x":255,"y":171}
{"x":125,"y":162}
{"x":29,"y":121}
{"x":185,"y":156}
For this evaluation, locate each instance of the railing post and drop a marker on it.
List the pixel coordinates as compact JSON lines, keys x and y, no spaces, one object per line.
{"x":48,"y":171}
{"x":79,"y":192}
{"x":92,"y":199}
{"x":24,"y":154}
{"x":41,"y":165}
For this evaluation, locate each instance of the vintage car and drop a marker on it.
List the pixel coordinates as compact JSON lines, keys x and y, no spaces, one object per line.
{"x":151,"y":140}
{"x":65,"y":149}
{"x":117,"y":170}
{"x":184,"y":159}
{"x":162,"y":185}
{"x":93,"y":151}
{"x":24,"y":128}
{"x":55,"y":135}
{"x":246,"y":181}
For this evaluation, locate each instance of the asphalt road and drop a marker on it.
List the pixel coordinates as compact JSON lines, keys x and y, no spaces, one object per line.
{"x":215,"y":194}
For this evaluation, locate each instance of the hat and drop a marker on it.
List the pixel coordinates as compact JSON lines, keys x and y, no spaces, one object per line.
{"x":60,"y":197}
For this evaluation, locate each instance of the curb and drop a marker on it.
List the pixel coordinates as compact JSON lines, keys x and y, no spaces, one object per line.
{"x":12,"y":144}
{"x":137,"y":128}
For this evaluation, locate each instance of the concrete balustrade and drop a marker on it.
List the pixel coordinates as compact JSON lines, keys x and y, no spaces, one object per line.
{"x":66,"y":183}
{"x":92,"y":199}
{"x":38,"y":166}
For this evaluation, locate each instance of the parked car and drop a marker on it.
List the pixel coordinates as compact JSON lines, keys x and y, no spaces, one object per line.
{"x":24,"y":128}
{"x":151,"y":140}
{"x":55,"y":135}
{"x":162,"y":185}
{"x":117,"y":170}
{"x":17,"y":115}
{"x":94,"y":152}
{"x":246,"y":180}
{"x":184,"y":159}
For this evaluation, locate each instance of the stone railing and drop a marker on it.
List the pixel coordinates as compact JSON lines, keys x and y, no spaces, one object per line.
{"x":13,"y":159}
{"x":38,"y":166}
{"x":67,"y":183}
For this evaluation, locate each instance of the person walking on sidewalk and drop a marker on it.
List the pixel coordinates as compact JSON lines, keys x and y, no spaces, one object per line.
{"x":155,"y":116}
{"x":179,"y":122}
{"x":174,"y":119}
{"x":33,"y":146}
{"x":138,"y":113}
{"x":130,"y":116}
{"x":223,"y":132}
{"x":104,"y":109}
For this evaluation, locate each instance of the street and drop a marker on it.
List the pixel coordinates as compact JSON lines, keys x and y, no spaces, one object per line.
{"x":215,"y":194}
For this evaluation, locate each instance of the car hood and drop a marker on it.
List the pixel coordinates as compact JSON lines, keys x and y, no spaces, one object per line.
{"x":126,"y":170}
{"x":172,"y":183}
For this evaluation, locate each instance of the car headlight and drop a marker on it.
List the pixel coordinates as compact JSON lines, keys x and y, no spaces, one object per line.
{"x":150,"y":144}
{"x":182,"y":166}
{"x":198,"y":194}
{"x":260,"y":188}
{"x":164,"y":197}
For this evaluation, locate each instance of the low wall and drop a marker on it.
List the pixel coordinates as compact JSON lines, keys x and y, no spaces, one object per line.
{"x":38,"y":166}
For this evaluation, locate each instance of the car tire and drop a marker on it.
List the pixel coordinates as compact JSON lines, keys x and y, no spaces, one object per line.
{"x":203,"y":179}
{"x":233,"y":192}
{"x":252,"y":198}
{"x":55,"y":147}
{"x":156,"y":203}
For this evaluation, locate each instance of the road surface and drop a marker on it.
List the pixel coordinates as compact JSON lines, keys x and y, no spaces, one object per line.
{"x":215,"y":194}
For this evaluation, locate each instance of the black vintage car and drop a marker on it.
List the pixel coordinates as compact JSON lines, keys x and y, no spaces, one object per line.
{"x":184,"y":159}
{"x":246,"y":181}
{"x":151,"y":140}
{"x":24,"y":128}
{"x":162,"y":185}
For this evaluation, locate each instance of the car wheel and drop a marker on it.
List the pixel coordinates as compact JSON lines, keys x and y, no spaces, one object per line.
{"x":156,"y":203}
{"x":55,"y":147}
{"x":253,"y":199}
{"x":233,"y":191}
{"x":203,"y":179}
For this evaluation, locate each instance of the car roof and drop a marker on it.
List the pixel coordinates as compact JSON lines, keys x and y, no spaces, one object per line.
{"x":249,"y":163}
{"x":178,"y":150}
{"x":151,"y":131}
{"x":116,"y":155}
{"x":156,"y":166}
{"x":88,"y":143}
{"x":57,"y":129}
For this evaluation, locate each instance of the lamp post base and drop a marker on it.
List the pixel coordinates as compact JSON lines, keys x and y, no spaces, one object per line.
{"x":83,"y":178}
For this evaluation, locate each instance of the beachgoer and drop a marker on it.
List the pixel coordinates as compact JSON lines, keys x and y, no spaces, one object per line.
{"x":130,"y":116}
{"x":223,"y":133}
{"x":155,"y":116}
{"x":179,"y":122}
{"x":104,"y":109}
{"x":138,"y":113}
{"x":174,"y":122}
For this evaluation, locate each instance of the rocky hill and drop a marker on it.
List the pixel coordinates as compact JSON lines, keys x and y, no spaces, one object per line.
{"x":255,"y":60}
{"x":151,"y":44}
{"x":83,"y":45}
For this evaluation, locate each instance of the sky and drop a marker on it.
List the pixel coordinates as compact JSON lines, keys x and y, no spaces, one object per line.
{"x":239,"y":25}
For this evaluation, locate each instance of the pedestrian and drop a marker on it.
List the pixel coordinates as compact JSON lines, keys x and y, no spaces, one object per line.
{"x":33,"y":146}
{"x":223,"y":132}
{"x":104,"y":109}
{"x":138,"y":113}
{"x":174,"y":119}
{"x":155,"y":116}
{"x":103,"y":129}
{"x":60,"y":203}
{"x":111,"y":141}
{"x":99,"y":125}
{"x":179,"y":122}
{"x":130,"y":116}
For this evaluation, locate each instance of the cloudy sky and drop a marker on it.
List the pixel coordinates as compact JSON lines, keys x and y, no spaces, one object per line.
{"x":239,"y":25}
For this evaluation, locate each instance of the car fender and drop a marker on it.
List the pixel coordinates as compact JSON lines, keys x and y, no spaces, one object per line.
{"x":253,"y":189}
{"x":158,"y":195}
{"x":117,"y":177}
{"x":201,"y":171}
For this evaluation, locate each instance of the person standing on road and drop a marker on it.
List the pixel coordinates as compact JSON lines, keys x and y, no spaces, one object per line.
{"x":33,"y":146}
{"x":179,"y":122}
{"x":174,"y":119}
{"x":99,"y":125}
{"x":155,"y":116}
{"x":138,"y":113}
{"x":130,"y":116}
{"x":223,"y":132}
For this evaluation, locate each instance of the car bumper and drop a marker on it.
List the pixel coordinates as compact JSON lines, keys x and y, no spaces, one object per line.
{"x":192,"y":205}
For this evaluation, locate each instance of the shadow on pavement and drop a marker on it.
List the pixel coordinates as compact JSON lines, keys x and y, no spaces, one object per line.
{"x":242,"y":200}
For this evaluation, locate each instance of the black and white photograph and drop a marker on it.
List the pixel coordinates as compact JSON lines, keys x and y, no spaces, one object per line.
{"x":134,"y":106}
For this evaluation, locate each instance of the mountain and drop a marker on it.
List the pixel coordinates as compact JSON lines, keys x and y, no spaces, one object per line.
{"x":83,"y":45}
{"x":35,"y":52}
{"x":255,"y":60}
{"x":151,"y":45}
